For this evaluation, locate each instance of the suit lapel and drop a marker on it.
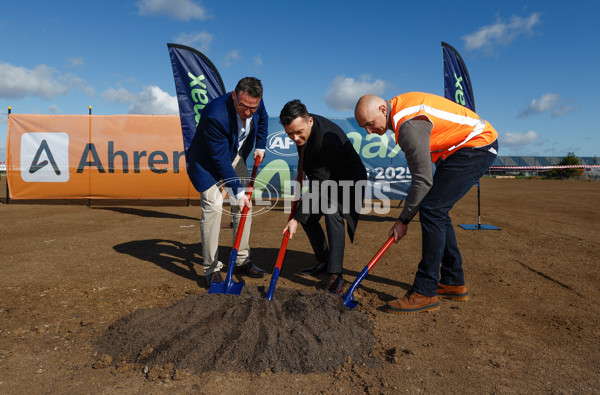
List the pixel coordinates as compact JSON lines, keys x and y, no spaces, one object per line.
{"x":233,"y":125}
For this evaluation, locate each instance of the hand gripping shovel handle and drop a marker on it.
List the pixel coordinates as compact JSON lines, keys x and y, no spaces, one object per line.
{"x":348,"y":298}
{"x":230,"y":286}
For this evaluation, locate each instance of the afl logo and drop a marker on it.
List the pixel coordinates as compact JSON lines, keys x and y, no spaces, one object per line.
{"x":280,"y":144}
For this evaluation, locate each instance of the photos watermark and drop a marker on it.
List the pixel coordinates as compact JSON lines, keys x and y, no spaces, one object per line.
{"x":345,"y":196}
{"x":325,"y":197}
{"x":265,"y":196}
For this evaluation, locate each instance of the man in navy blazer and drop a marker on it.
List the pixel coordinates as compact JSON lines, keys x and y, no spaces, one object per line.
{"x":229,"y":127}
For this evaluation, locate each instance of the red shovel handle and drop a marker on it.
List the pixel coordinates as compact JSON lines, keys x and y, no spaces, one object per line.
{"x":238,"y":236}
{"x":381,"y":251}
{"x":349,"y":298}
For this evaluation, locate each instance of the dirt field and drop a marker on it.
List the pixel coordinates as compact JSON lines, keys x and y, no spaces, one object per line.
{"x":69,"y":271}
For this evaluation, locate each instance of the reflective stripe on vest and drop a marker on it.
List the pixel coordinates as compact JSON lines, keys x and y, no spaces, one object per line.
{"x":477,"y":124}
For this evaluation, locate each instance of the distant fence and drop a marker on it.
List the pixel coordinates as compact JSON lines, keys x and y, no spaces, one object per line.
{"x":541,"y":168}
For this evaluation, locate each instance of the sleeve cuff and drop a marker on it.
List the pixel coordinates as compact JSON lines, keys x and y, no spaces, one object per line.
{"x":241,"y":193}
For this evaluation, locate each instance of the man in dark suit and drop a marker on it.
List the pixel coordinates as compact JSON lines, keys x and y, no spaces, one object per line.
{"x":227,"y":131}
{"x":337,"y":178}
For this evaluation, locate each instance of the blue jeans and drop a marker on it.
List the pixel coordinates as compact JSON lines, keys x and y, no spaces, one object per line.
{"x":453,"y":178}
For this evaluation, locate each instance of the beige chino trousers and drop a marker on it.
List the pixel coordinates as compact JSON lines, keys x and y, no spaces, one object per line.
{"x":211,"y":201}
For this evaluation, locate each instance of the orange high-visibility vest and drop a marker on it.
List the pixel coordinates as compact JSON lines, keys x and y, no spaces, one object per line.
{"x":454,"y":126}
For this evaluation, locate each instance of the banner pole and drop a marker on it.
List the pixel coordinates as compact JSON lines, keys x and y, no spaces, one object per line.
{"x":90,"y":170}
{"x":188,"y":194}
{"x":458,"y":88}
{"x":478,"y":206}
{"x":478,"y":226}
{"x":7,"y":190}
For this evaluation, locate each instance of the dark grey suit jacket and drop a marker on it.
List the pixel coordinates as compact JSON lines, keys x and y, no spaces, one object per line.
{"x":329,"y":155}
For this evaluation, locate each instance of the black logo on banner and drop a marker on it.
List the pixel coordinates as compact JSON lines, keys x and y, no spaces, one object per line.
{"x":35,"y":165}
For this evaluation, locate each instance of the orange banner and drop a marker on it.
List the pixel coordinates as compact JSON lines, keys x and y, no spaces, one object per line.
{"x":97,"y":157}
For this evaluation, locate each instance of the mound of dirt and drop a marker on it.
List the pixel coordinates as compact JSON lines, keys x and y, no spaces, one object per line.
{"x":301,"y":331}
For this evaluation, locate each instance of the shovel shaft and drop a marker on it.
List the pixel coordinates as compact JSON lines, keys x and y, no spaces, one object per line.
{"x":348,"y":298}
{"x":380,"y":253}
{"x":238,"y":237}
{"x":274,"y":278}
{"x":286,"y":237}
{"x":230,"y":286}
{"x":281,"y":255}
{"x":229,"y":279}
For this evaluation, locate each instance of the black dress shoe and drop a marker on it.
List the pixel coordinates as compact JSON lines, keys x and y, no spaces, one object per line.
{"x":336,"y":284}
{"x":250,"y":270}
{"x":320,"y":268}
{"x":214,"y":277}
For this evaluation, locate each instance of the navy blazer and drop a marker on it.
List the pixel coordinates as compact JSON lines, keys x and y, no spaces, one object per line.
{"x":215,"y":143}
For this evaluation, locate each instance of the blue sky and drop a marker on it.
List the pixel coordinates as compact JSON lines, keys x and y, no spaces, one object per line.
{"x":534,"y":66}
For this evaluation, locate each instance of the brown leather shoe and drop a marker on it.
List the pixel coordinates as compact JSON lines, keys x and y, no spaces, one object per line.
{"x":453,"y":292}
{"x":250,"y":270}
{"x":413,"y":303}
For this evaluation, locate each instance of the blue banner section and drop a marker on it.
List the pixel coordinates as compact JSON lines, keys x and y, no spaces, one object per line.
{"x":197,"y":81}
{"x":457,"y":83}
{"x":387,"y":170}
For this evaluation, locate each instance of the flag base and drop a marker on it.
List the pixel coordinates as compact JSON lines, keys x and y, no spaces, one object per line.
{"x":479,"y":227}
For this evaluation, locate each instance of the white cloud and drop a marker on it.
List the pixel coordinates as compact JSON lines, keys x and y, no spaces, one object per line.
{"x":501,"y":33}
{"x":151,"y":101}
{"x":201,"y":41}
{"x":231,"y":57}
{"x":514,"y":139}
{"x":344,"y":92}
{"x":546,"y":103}
{"x":89,"y":91}
{"x":560,"y":111}
{"x":182,"y":10}
{"x":258,"y":61}
{"x":53,"y":109}
{"x":75,"y":62}
{"x":42,"y":81}
{"x":120,"y":95}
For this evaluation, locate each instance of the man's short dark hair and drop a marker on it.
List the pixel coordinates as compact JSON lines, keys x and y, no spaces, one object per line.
{"x":251,"y":86}
{"x":292,"y":110}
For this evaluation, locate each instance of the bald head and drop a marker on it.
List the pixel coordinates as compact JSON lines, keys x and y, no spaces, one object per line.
{"x":371,"y":113}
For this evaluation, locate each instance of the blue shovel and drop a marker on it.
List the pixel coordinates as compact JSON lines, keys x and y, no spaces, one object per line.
{"x":348,"y":298}
{"x":229,"y":286}
{"x":280,"y":256}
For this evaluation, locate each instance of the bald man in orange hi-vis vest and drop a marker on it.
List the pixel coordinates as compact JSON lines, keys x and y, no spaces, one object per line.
{"x":430,"y":128}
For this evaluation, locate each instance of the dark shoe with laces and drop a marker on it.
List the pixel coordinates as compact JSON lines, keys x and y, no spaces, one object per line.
{"x":250,"y":270}
{"x":336,"y":284}
{"x":214,"y":277}
{"x":319,"y":268}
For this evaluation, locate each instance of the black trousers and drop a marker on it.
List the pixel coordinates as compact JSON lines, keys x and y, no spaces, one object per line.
{"x":330,"y":249}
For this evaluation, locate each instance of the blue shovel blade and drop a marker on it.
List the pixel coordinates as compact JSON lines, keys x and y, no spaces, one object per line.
{"x":350,"y":302}
{"x":232,"y":288}
{"x":228,"y":286}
